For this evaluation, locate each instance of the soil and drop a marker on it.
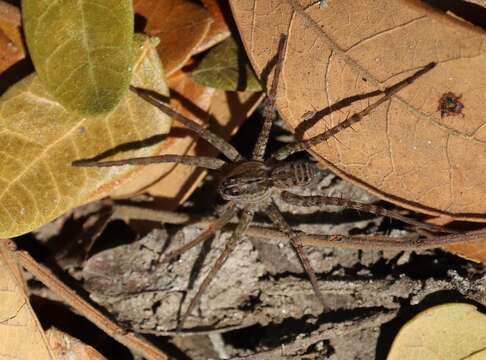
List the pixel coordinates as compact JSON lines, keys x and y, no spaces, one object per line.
{"x":261,"y":306}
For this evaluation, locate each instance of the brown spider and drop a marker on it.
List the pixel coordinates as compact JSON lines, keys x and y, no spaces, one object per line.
{"x":250,"y":185}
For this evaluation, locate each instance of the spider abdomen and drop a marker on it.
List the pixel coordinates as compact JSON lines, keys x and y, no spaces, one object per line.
{"x":293,"y":173}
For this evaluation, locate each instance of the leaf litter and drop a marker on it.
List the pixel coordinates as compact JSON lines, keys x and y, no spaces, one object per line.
{"x":366,"y":324}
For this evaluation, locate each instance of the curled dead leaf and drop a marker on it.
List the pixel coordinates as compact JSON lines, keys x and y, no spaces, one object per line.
{"x":340,"y":57}
{"x":181,"y":26}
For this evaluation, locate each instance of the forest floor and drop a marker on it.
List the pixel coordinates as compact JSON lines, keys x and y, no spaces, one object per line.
{"x":261,"y":306}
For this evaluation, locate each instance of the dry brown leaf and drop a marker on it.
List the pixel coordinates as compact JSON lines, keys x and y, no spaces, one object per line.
{"x":21,"y":336}
{"x":11,"y":47}
{"x":218,"y":30}
{"x":181,"y":26}
{"x":9,"y":13}
{"x":448,"y":331}
{"x":404,"y":151}
{"x":66,"y":347}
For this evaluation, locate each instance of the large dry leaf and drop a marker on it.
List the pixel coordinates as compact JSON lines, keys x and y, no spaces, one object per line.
{"x":181,"y":26}
{"x":404,"y":151}
{"x":40,"y":139}
{"x":21,"y":336}
{"x":450,"y":331}
{"x":82,"y":50}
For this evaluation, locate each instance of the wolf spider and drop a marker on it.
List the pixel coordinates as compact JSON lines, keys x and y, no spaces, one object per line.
{"x":249,"y":185}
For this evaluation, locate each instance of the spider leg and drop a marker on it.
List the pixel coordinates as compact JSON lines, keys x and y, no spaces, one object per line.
{"x":313,"y":200}
{"x":227,"y":215}
{"x":274,"y":214}
{"x":218,"y":142}
{"x":261,"y":144}
{"x":290,"y":149}
{"x":246,"y":217}
{"x":199,"y":161}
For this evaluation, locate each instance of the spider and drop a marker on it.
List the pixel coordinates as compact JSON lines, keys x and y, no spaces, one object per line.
{"x":250,"y":185}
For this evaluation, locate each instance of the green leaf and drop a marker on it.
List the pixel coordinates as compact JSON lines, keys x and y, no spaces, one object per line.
{"x":81,"y":49}
{"x":40,"y":139}
{"x":226,"y":67}
{"x":449,"y":331}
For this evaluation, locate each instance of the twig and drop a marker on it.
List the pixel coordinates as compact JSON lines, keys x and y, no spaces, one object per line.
{"x":131,"y":340}
{"x":317,"y":240}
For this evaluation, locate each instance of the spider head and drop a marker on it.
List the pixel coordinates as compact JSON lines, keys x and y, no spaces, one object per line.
{"x":248,"y":182}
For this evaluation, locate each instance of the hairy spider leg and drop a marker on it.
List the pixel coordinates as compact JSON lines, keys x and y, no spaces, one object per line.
{"x":245,"y":220}
{"x":317,"y":200}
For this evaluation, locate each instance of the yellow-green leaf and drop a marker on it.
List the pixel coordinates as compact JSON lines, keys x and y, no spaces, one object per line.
{"x":450,"y":331}
{"x":81,"y":49}
{"x":226,"y":67}
{"x":40,"y":139}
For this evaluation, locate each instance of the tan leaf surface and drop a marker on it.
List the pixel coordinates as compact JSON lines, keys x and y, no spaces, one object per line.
{"x":40,"y":140}
{"x":66,"y":347}
{"x":449,"y":331}
{"x":181,"y":26}
{"x":21,"y":336}
{"x":404,"y":151}
{"x":218,"y":31}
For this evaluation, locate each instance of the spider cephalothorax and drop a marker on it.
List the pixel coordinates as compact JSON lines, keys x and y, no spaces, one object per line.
{"x":247,"y":183}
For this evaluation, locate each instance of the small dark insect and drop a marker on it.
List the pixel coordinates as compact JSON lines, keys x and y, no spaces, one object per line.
{"x":250,"y":185}
{"x":449,"y":105}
